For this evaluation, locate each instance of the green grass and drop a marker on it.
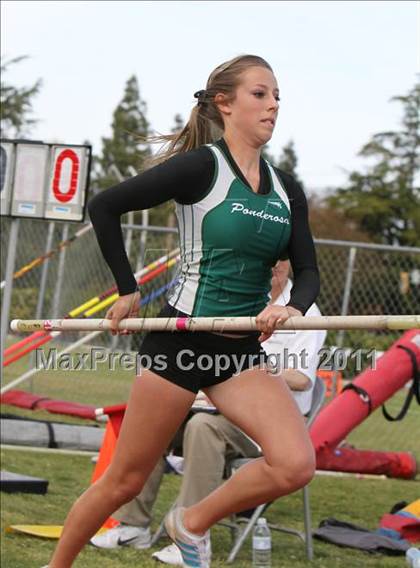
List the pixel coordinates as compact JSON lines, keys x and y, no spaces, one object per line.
{"x":362,"y":501}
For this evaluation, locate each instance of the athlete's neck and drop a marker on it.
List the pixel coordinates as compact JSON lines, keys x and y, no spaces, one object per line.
{"x":245,"y":155}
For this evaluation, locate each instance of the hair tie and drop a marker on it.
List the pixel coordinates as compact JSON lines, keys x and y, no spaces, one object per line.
{"x":200,"y":95}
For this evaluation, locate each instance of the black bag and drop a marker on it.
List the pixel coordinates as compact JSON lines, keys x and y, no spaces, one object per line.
{"x":346,"y":534}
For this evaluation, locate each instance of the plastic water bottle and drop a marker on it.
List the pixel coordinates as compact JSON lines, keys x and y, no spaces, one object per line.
{"x":412,"y":557}
{"x":261,"y":545}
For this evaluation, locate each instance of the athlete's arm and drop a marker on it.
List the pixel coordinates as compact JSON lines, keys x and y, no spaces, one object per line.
{"x":296,"y":380}
{"x":186,"y":177}
{"x":301,"y":249}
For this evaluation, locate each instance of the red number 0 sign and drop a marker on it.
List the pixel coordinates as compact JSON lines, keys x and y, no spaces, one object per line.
{"x":67,"y":154}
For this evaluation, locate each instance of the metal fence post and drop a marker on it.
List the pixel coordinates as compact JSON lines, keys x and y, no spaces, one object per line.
{"x":60,"y":274}
{"x":143,"y":239}
{"x":42,"y":289}
{"x":44,"y":274}
{"x":344,"y":308}
{"x":8,"y":288}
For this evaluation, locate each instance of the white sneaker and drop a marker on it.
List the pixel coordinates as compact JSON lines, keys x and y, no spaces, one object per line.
{"x":169,"y":555}
{"x":195,"y":550}
{"x":123,"y":535}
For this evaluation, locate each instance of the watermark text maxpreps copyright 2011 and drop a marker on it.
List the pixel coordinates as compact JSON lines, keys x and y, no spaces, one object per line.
{"x":99,"y":358}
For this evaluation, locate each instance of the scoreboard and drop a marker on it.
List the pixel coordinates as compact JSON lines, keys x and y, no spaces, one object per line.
{"x":44,"y":181}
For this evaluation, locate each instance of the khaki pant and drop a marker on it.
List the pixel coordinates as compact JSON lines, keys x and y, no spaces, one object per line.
{"x":210,"y":440}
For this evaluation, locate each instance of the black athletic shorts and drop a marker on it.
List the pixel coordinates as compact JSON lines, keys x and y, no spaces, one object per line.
{"x":199,"y":359}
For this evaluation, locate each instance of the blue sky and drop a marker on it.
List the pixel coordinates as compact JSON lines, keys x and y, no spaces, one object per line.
{"x":337,"y":65}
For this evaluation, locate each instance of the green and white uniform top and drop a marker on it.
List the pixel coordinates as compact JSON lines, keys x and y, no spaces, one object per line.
{"x":229,"y":241}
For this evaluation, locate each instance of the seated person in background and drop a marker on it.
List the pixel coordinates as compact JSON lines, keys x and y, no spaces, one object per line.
{"x":210,"y":440}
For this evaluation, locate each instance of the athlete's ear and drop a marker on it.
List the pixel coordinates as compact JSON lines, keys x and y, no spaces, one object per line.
{"x":223,"y":103}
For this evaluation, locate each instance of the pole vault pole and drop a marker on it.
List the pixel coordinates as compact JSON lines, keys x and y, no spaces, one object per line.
{"x":221,"y":324}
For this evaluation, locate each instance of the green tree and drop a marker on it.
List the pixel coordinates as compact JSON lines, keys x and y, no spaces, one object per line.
{"x":328,"y":222}
{"x":125,"y":148}
{"x":287,"y":161}
{"x":385,"y":200}
{"x":16,"y":104}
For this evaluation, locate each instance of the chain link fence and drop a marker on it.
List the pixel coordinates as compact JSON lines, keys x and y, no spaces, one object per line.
{"x":356,"y":278}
